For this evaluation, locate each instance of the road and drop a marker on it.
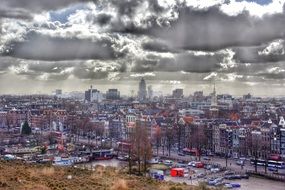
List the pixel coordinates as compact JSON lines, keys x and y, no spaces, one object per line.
{"x":221,"y":161}
{"x":246,"y":184}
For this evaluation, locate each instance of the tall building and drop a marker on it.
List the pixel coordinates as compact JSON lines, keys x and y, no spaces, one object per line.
{"x":58,"y":92}
{"x":142,"y":90}
{"x":113,"y":94}
{"x":93,"y":95}
{"x":150,"y":92}
{"x":177,"y":93}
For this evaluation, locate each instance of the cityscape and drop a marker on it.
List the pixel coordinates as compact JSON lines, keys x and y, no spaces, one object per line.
{"x":142,"y":94}
{"x":218,"y":132}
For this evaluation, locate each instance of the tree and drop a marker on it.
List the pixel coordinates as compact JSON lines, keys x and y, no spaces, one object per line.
{"x":255,"y":146}
{"x":180,"y":132}
{"x":99,"y":130}
{"x":197,"y":138}
{"x":157,"y":138}
{"x":26,"y":129}
{"x":141,"y":146}
{"x":9,"y":120}
{"x":169,"y":138}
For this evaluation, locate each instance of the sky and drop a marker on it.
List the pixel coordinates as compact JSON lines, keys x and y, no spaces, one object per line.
{"x":190,"y":44}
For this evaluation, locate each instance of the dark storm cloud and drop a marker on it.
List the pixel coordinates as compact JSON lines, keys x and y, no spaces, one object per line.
{"x":39,"y":5}
{"x":51,"y":67}
{"x":6,"y":62}
{"x":207,"y":29}
{"x":25,"y":9}
{"x":258,"y":54}
{"x":16,"y":14}
{"x":159,"y":46}
{"x":103,"y":19}
{"x":59,"y":70}
{"x":187,"y":62}
{"x":272,"y":76}
{"x":163,"y":40}
{"x":263,"y":70}
{"x":211,"y":29}
{"x":41,"y":47}
{"x":82,"y":73}
{"x":127,"y":7}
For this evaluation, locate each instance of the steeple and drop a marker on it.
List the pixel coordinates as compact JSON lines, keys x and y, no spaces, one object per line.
{"x":214,"y":110}
{"x":214,"y":101}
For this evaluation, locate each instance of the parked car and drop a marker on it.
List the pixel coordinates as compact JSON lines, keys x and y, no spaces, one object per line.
{"x":235,"y":185}
{"x":244,"y":176}
{"x":208,"y":167}
{"x":215,"y":170}
{"x":154,"y":161}
{"x":233,"y":177}
{"x":229,"y":173}
{"x":199,"y":165}
{"x":215,"y":181}
{"x":192,"y":163}
{"x":123,"y":158}
{"x":273,"y":169}
{"x":206,"y":158}
{"x":168,"y":162}
{"x":181,"y":165}
{"x":210,"y":154}
{"x":232,"y":185}
{"x":240,"y":162}
{"x":201,"y":175}
{"x":228,"y":186}
{"x":181,"y":154}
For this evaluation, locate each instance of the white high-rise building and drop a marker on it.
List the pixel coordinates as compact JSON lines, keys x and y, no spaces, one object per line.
{"x":142,"y":94}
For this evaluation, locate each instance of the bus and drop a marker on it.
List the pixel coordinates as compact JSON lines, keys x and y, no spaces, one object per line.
{"x":270,"y":163}
{"x":102,"y":154}
{"x":191,"y":152}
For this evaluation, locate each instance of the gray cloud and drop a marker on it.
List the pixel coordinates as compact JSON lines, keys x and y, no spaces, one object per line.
{"x":159,"y":46}
{"x":38,"y":5}
{"x":125,"y":37}
{"x":16,"y":14}
{"x":187,"y":62}
{"x":6,"y":62}
{"x":207,"y":29}
{"x":41,"y":47}
{"x":260,"y":54}
{"x":211,"y":29}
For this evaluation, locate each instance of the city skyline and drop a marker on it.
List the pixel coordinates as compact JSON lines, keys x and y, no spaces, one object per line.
{"x":72,"y":44}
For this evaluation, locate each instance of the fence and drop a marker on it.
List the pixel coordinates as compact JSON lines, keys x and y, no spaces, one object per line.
{"x":267,"y":175}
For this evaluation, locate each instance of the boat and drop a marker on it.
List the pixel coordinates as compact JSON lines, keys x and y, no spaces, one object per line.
{"x":59,"y":161}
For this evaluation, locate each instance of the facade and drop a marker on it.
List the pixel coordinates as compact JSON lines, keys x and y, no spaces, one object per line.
{"x":58,"y":92}
{"x":142,"y":93}
{"x":177,"y":93}
{"x":116,"y":128}
{"x":93,"y":95}
{"x":113,"y":94}
{"x":282,"y":137}
{"x":150,"y":92}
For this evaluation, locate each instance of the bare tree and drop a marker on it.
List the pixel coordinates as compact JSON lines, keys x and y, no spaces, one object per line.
{"x":141,"y":146}
{"x":9,"y":120}
{"x":197,"y":139}
{"x":157,"y":138}
{"x":255,"y":146}
{"x":169,"y":134}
